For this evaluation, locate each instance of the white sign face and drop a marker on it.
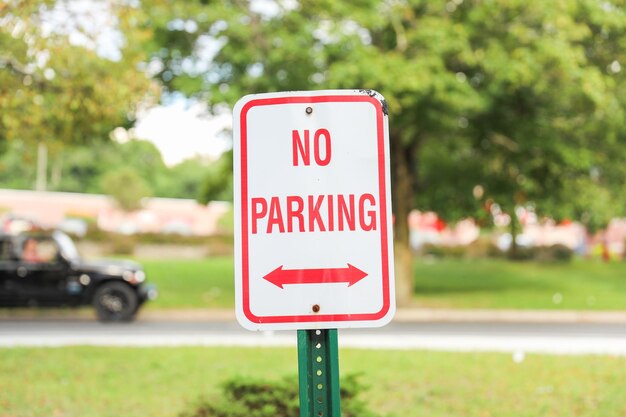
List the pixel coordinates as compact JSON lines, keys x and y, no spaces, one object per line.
{"x":313,"y":234}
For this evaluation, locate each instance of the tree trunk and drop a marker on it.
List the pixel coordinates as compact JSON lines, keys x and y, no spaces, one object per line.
{"x":606,"y":255}
{"x":42,"y":167}
{"x":402,"y":199}
{"x":513,"y":250}
{"x":404,"y":274}
{"x":55,"y":175}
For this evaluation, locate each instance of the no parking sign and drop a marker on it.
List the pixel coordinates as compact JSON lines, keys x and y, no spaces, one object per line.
{"x":313,"y":238}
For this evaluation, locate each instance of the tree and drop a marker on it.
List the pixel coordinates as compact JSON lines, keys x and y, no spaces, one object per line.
{"x":510,"y":95}
{"x":55,"y":92}
{"x":127,"y":188}
{"x":81,"y":168}
{"x":16,"y":166}
{"x":550,"y":117}
{"x":217,"y":183}
{"x":183,"y":180}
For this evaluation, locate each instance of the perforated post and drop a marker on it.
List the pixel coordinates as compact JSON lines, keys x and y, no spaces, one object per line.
{"x":318,"y":369}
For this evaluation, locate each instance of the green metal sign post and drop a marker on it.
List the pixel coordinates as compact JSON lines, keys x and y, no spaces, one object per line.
{"x":318,"y":369}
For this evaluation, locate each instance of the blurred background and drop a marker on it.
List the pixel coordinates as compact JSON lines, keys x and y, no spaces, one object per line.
{"x":507,"y":133}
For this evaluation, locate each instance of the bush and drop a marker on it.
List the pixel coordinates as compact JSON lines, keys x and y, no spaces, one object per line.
{"x":122,"y":244}
{"x":127,"y":188}
{"x":96,"y":235}
{"x":444,"y":251}
{"x":245,"y":397}
{"x":482,"y":247}
{"x":523,"y":253}
{"x":547,"y":254}
{"x":554,"y":253}
{"x":221,"y":245}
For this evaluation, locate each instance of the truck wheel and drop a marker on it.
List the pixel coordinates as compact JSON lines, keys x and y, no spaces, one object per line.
{"x":115,"y":301}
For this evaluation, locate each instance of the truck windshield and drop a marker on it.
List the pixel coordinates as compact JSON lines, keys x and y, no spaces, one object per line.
{"x":68,"y":249}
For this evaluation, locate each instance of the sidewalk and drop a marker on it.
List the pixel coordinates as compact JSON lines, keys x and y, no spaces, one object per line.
{"x":417,"y":315}
{"x":509,"y":316}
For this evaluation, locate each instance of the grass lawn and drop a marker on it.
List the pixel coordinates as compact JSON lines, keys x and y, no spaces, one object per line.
{"x":159,"y":382}
{"x":207,"y":283}
{"x":580,"y":285}
{"x":446,"y":283}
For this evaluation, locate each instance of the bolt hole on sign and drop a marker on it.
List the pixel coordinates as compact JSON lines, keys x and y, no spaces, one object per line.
{"x":313,"y":233}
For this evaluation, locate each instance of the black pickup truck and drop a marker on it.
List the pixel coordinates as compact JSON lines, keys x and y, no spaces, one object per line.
{"x":46,"y":270}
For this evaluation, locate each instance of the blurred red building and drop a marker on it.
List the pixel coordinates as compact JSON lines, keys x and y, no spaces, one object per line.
{"x":158,"y":215}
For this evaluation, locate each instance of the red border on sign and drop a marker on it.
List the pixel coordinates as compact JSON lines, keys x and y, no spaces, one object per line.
{"x":382,"y":191}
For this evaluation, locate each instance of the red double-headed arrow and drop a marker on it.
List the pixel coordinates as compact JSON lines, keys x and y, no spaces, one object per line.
{"x":280,"y":276}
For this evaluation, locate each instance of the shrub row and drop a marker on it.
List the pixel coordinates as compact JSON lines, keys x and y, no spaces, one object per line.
{"x":484,"y":248}
{"x":118,"y":244}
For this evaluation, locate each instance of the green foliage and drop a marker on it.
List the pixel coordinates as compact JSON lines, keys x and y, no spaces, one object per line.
{"x":523,"y":253}
{"x":18,"y":165}
{"x":250,"y":397}
{"x":127,"y":188}
{"x":217,"y":183}
{"x":439,"y":251}
{"x":54,"y":91}
{"x":226,"y":223}
{"x":545,"y":254}
{"x":480,"y":249}
{"x":554,"y":253}
{"x":517,"y":96}
{"x":594,"y":202}
{"x":484,"y":248}
{"x":81,"y":168}
{"x":184,"y":180}
{"x":544,"y":125}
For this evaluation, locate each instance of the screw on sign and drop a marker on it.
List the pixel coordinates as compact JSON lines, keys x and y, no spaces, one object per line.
{"x":313,"y":244}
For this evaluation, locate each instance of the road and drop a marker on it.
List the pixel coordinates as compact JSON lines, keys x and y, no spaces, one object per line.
{"x":517,"y":338}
